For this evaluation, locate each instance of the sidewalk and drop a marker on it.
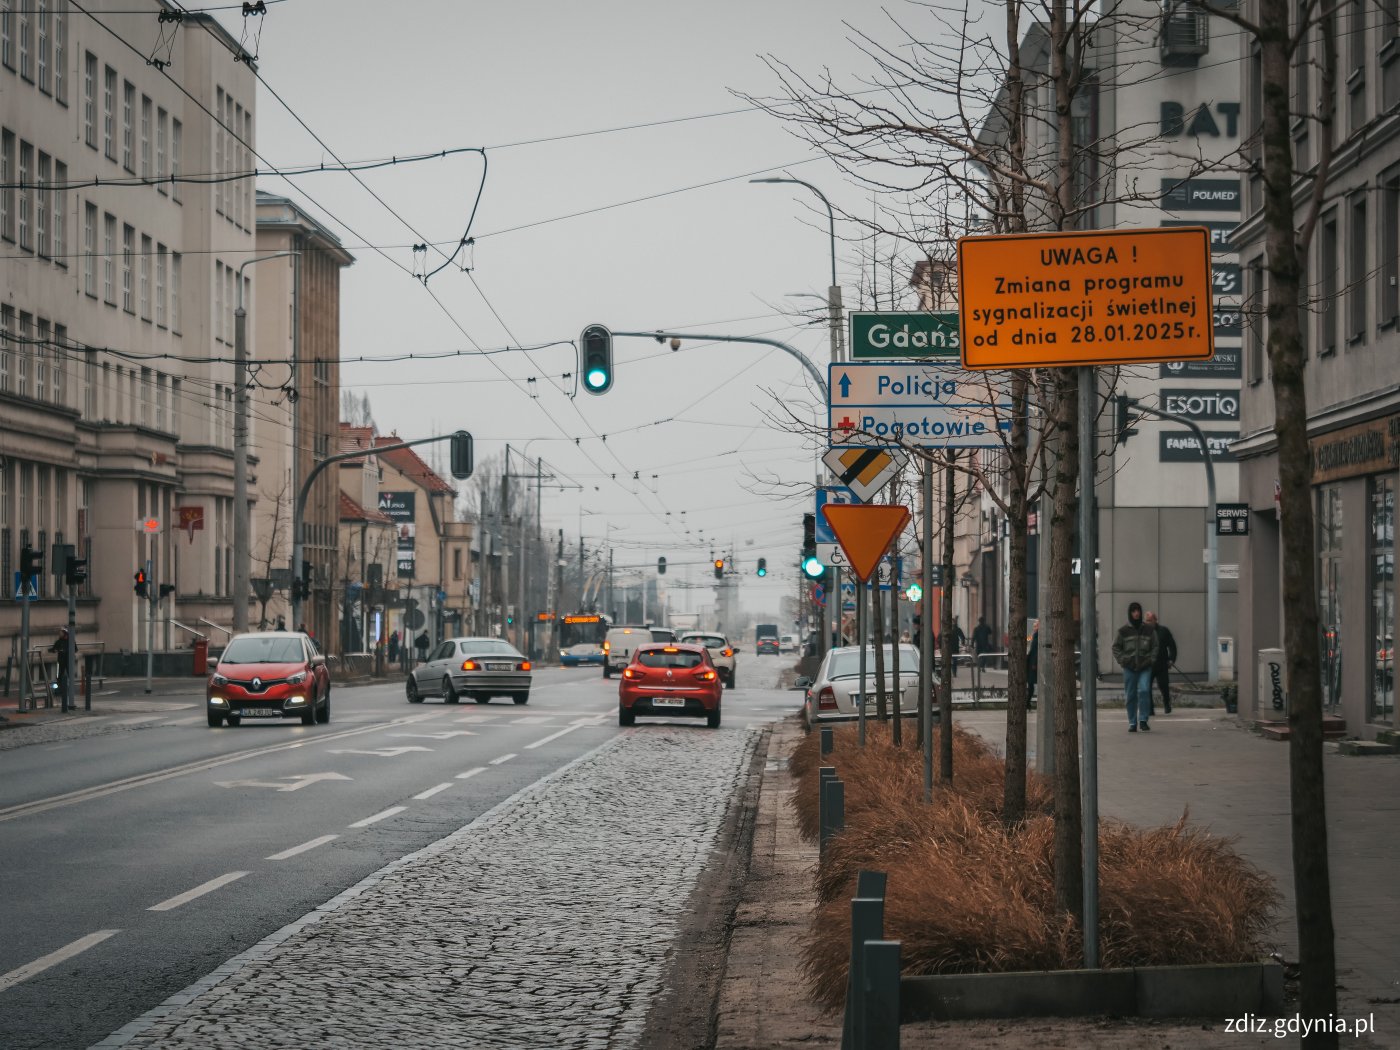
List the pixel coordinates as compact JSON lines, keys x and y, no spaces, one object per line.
{"x":1230,"y":779}
{"x":114,"y":696}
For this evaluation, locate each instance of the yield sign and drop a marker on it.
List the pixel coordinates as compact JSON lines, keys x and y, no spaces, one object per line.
{"x":865,"y":531}
{"x":865,"y":471}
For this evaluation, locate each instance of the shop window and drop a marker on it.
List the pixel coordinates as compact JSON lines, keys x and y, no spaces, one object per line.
{"x":1382,"y":705}
{"x":1329,"y":606}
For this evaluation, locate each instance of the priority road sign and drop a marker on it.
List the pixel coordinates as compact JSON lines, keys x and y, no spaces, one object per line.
{"x":865,"y":532}
{"x":1092,"y":297}
{"x":865,"y":471}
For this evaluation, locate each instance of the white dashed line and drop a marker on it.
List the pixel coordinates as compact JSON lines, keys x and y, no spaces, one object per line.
{"x":28,"y":970}
{"x":503,"y":758}
{"x":529,"y":720}
{"x":198,"y":891}
{"x":433,"y":791}
{"x":552,"y":736}
{"x":377,"y":817}
{"x":302,"y":848}
{"x":471,"y":773}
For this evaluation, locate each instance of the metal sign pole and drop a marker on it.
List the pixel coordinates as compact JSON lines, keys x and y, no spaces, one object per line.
{"x":1088,"y":661}
{"x":69,"y":700}
{"x":26,"y":686}
{"x":152,"y":590}
{"x":926,"y":635}
{"x":860,"y":640}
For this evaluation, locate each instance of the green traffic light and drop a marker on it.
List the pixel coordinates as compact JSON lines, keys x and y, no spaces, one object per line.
{"x":596,"y":378}
{"x":812,"y":567}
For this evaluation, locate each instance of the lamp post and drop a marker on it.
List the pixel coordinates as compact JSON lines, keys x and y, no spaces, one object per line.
{"x":241,"y":557}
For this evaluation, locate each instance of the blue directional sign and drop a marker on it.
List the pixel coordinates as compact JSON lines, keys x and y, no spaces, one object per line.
{"x":885,"y":403}
{"x":833,"y":494}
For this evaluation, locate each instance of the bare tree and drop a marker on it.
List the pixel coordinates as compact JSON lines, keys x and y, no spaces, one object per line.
{"x":273,"y":551}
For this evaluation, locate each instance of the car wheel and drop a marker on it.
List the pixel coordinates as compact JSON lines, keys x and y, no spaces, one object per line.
{"x":625,"y":717}
{"x":411,"y":690}
{"x":449,"y":691}
{"x":712,"y":719}
{"x":215,"y":720}
{"x":521,"y":698}
{"x":235,"y":720}
{"x":324,"y":714}
{"x":732,"y":678}
{"x":308,"y":717}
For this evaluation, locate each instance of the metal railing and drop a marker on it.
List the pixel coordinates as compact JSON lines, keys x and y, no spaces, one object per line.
{"x":191,"y":630}
{"x":210,"y":623}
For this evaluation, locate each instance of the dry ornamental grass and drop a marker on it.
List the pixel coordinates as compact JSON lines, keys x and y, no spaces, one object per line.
{"x":966,"y":894}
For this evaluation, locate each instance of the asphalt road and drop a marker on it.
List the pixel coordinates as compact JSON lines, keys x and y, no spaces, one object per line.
{"x":133,"y":862}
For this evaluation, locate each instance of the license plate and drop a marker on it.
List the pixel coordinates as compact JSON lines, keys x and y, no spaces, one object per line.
{"x":500,"y":667}
{"x":259,"y":712}
{"x":667,"y":701}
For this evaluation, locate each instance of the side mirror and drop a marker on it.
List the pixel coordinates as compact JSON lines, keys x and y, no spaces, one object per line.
{"x":319,"y":660}
{"x":737,"y":649}
{"x":802,"y":682}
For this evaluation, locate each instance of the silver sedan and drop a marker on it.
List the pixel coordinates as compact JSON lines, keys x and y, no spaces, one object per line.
{"x":476,"y":668}
{"x":835,"y":692}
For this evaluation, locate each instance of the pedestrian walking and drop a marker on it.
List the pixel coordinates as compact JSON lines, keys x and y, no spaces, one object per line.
{"x":981,"y":639}
{"x":60,"y":651}
{"x":1032,"y":666}
{"x":1135,"y":649}
{"x":281,"y":623}
{"x":1166,"y":656}
{"x":394,"y":647}
{"x":421,"y":643}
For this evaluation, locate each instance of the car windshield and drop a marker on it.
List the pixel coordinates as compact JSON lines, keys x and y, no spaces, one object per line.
{"x":709,"y":641}
{"x":488,"y":647}
{"x":679,"y":658}
{"x":263,"y":650}
{"x":845,"y":665}
{"x":662,"y":634}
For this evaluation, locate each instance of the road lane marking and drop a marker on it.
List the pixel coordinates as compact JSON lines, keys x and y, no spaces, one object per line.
{"x":552,"y":736}
{"x":289,"y":783}
{"x":25,"y":809}
{"x":377,"y":817}
{"x":529,"y":720}
{"x":302,"y":848}
{"x":445,"y":735}
{"x":384,"y":752}
{"x":432,"y":791}
{"x":503,"y":758}
{"x":198,"y":891}
{"x":471,"y":773}
{"x":28,"y":970}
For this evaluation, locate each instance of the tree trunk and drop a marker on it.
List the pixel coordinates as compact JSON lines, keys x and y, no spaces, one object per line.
{"x":896,"y":730}
{"x":1311,"y":874}
{"x":1014,"y":792}
{"x":882,"y":707}
{"x":945,"y":629}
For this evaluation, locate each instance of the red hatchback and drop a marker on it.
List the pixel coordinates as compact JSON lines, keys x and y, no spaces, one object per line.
{"x":669,"y":680}
{"x":270,"y":675}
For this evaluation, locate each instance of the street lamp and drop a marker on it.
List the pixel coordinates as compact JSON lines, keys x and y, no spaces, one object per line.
{"x":241,"y":556}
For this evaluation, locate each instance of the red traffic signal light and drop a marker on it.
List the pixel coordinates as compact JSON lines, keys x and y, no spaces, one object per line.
{"x":143,"y":585}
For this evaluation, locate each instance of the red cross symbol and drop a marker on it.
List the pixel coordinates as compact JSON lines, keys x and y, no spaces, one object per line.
{"x":845,"y":424}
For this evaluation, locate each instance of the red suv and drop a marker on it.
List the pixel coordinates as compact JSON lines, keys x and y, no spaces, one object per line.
{"x":670,"y":680}
{"x":271,"y":675}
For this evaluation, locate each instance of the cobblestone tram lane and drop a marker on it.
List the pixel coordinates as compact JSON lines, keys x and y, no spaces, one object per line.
{"x":546,"y":922}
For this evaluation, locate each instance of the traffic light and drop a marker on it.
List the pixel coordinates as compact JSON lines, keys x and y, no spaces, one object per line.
{"x":166,"y":589}
{"x":143,"y":585}
{"x":719,"y":568}
{"x":810,"y":565}
{"x":76,"y":573}
{"x":596,"y":359}
{"x":461,"y":455}
{"x":661,"y":566}
{"x":763,"y":566}
{"x":305,"y":579}
{"x":31,"y":562}
{"x":1123,"y":406}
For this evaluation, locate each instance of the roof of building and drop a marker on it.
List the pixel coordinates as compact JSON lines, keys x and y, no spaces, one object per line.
{"x":352,"y":511}
{"x":353,"y":439}
{"x":410,"y":465}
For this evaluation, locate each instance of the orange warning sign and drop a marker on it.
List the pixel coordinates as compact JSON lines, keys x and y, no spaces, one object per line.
{"x":1096,"y":297}
{"x":865,"y":531}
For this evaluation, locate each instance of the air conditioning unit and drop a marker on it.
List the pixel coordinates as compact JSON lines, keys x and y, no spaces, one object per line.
{"x":1185,"y":34}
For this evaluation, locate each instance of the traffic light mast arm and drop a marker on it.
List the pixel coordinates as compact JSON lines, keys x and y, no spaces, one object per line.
{"x":1212,"y":553}
{"x":802,"y":358}
{"x":299,"y":508}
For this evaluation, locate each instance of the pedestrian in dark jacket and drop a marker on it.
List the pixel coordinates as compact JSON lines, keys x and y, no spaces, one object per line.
{"x":421,"y":643}
{"x":981,"y":637}
{"x":1135,"y":649}
{"x":1166,"y":656}
{"x":60,"y":651}
{"x":393,"y":647}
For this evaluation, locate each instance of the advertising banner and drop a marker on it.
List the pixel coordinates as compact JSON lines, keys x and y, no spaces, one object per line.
{"x":400,"y":506}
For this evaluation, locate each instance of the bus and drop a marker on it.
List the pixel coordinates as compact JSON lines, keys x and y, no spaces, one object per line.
{"x":582,"y":628}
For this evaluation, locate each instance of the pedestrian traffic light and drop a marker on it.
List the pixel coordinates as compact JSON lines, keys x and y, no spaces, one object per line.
{"x":76,"y":573}
{"x":31,"y":562}
{"x":166,"y":589}
{"x":719,"y":568}
{"x":461,"y":455}
{"x":763,"y":566}
{"x":661,"y":566}
{"x":596,"y":359}
{"x":1123,"y":406}
{"x":143,"y":585}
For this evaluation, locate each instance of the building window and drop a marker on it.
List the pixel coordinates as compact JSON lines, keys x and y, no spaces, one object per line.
{"x":162,"y":130}
{"x":90,"y":249}
{"x":58,"y":380}
{"x":26,"y":167}
{"x":1357,"y":276}
{"x":22,"y":354}
{"x":59,"y":199}
{"x":160,"y":284}
{"x":219,"y":135}
{"x":60,"y":50}
{"x":26,"y":41}
{"x":145,"y":137}
{"x":128,"y":118}
{"x":41,"y":204}
{"x":160,"y":400}
{"x":1329,"y":582}
{"x":145,"y":278}
{"x":8,"y":160}
{"x":90,"y":99}
{"x":1383,"y":598}
{"x":109,"y":109}
{"x":109,"y":259}
{"x":7,"y":28}
{"x":41,"y":9}
{"x":128,"y":250}
{"x":7,"y":321}
{"x":1355,"y":70}
{"x":41,"y":359}
{"x":175,"y":141}
{"x":218,"y":301}
{"x":175,"y":261}
{"x":89,"y":388}
{"x":1388,"y":290}
{"x":1328,"y":315}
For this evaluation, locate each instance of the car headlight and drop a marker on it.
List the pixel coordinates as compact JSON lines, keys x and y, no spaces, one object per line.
{"x":217,"y":700}
{"x":300,"y":676}
{"x":296,"y":699}
{"x":220,"y":679}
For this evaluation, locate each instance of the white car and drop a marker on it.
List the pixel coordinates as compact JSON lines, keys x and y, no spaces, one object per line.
{"x":788,"y":643}
{"x":835,"y":692}
{"x":721,"y":652}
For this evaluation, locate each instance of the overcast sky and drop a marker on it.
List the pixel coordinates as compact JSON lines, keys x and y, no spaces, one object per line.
{"x":533,"y":81}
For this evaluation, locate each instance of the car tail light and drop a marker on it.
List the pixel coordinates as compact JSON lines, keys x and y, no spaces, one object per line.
{"x":826,"y":699}
{"x":705,"y":676}
{"x":726,"y":652}
{"x":607,"y":647}
{"x":524,"y":665}
{"x":631,"y":672}
{"x":470,"y":665}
